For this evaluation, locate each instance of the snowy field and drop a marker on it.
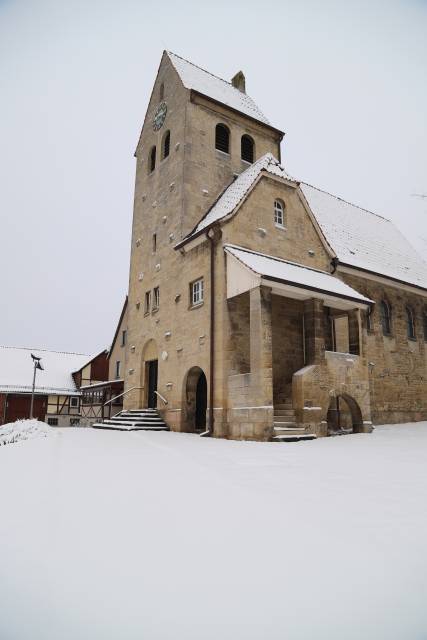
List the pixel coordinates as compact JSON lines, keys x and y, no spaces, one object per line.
{"x":152,"y":536}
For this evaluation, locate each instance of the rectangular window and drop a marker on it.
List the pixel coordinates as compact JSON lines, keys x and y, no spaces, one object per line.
{"x":147,"y":302}
{"x":53,"y":422}
{"x":156,"y":297}
{"x":74,"y":422}
{"x":124,"y":338}
{"x":118,"y":369}
{"x":74,"y":402}
{"x":196,"y":292}
{"x":154,"y":242}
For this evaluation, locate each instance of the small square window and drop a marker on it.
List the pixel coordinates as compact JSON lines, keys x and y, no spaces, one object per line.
{"x":147,"y":302}
{"x":53,"y":422}
{"x":156,"y":297}
{"x":196,"y":292}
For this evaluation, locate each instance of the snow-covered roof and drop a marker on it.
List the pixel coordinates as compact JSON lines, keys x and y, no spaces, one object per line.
{"x":203,"y":82}
{"x":359,"y":238}
{"x":234,"y":194}
{"x":293,"y":274}
{"x":16,"y":370}
{"x":365,"y":240}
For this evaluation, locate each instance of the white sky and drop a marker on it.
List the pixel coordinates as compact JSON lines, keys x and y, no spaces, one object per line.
{"x":345,"y":80}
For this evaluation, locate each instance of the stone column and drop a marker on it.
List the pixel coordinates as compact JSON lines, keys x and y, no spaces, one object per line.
{"x":314,"y":331}
{"x":261,"y":356}
{"x":355,"y":332}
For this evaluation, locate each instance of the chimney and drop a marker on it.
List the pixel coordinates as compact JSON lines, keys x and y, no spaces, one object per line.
{"x":239,"y":81}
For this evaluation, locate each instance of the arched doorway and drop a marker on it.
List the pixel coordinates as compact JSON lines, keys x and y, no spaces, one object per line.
{"x":195,"y":402}
{"x":344,"y":416}
{"x":149,"y":374}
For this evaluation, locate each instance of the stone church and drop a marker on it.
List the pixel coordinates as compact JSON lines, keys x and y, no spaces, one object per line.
{"x":260,"y":307}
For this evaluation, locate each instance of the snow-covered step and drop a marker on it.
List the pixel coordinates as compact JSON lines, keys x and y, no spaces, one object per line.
{"x":134,"y":420}
{"x":284,"y":423}
{"x":289,"y":428}
{"x":294,"y":437}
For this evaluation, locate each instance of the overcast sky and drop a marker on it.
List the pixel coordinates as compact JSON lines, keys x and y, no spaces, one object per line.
{"x":345,"y":80}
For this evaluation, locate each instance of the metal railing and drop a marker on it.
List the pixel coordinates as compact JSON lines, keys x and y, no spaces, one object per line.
{"x":161,"y":397}
{"x":122,"y":394}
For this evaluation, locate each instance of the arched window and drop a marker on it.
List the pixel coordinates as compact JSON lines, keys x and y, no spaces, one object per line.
{"x":152,"y":160}
{"x":162,"y":91}
{"x":385,"y":314}
{"x":425,"y":324}
{"x":247,"y":149}
{"x":410,"y":323}
{"x":222,"y":138}
{"x":166,"y":143}
{"x":279,"y":213}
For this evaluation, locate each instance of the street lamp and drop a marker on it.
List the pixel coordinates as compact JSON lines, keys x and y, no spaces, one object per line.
{"x":37,"y":365}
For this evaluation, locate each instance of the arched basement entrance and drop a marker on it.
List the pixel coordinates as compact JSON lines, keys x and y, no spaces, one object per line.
{"x":195,"y":401}
{"x":344,"y":416}
{"x":149,"y":374}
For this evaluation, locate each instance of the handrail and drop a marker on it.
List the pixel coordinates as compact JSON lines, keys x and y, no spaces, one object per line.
{"x":161,"y":397}
{"x":121,"y":394}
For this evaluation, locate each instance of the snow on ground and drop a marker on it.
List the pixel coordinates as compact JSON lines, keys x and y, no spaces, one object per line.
{"x":24,"y":430}
{"x":111,"y":535}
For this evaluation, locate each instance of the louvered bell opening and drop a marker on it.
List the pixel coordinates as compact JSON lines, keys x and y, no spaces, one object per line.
{"x":222,"y":138}
{"x":247,"y":149}
{"x":167,"y":143}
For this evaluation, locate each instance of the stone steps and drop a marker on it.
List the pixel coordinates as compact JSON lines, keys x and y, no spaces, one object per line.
{"x":134,"y":420}
{"x":285,"y":426}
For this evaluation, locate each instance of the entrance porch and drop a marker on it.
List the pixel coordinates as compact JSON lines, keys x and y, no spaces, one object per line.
{"x":295,"y":348}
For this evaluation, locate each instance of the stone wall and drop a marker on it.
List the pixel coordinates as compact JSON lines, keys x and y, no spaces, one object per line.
{"x":118,"y":351}
{"x":398,"y":380}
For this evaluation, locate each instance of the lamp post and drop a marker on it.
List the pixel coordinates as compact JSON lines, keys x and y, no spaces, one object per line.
{"x":37,"y":365}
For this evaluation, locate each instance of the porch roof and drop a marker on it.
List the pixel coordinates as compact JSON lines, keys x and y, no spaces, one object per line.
{"x":247,"y":269}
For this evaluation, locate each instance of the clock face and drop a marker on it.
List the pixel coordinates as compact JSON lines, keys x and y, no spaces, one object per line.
{"x":159,"y":116}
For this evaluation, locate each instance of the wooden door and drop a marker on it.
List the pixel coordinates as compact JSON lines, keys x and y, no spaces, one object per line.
{"x":152,"y":384}
{"x":18,"y":407}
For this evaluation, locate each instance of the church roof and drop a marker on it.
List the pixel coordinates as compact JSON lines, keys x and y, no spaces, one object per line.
{"x":365,"y":240}
{"x":193,"y":77}
{"x":358,"y":238}
{"x":16,"y":371}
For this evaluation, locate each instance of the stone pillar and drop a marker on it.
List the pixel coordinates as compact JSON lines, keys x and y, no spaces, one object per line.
{"x":314,"y":331}
{"x":261,"y":357}
{"x":355,"y":332}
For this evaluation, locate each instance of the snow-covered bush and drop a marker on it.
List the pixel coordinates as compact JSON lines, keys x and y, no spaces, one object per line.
{"x":24,"y":430}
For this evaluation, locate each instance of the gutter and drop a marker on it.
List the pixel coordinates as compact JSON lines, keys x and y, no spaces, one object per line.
{"x":212,"y":235}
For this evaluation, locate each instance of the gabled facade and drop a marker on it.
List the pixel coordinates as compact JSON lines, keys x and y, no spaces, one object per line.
{"x":243,"y":320}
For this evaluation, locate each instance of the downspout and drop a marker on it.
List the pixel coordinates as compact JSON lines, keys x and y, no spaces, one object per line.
{"x":334,"y":264}
{"x":211,"y":235}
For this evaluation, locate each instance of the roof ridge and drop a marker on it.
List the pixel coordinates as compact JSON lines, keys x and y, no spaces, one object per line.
{"x":201,"y":69}
{"x":267,"y":255}
{"x":68,"y":353}
{"x":372,"y":213}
